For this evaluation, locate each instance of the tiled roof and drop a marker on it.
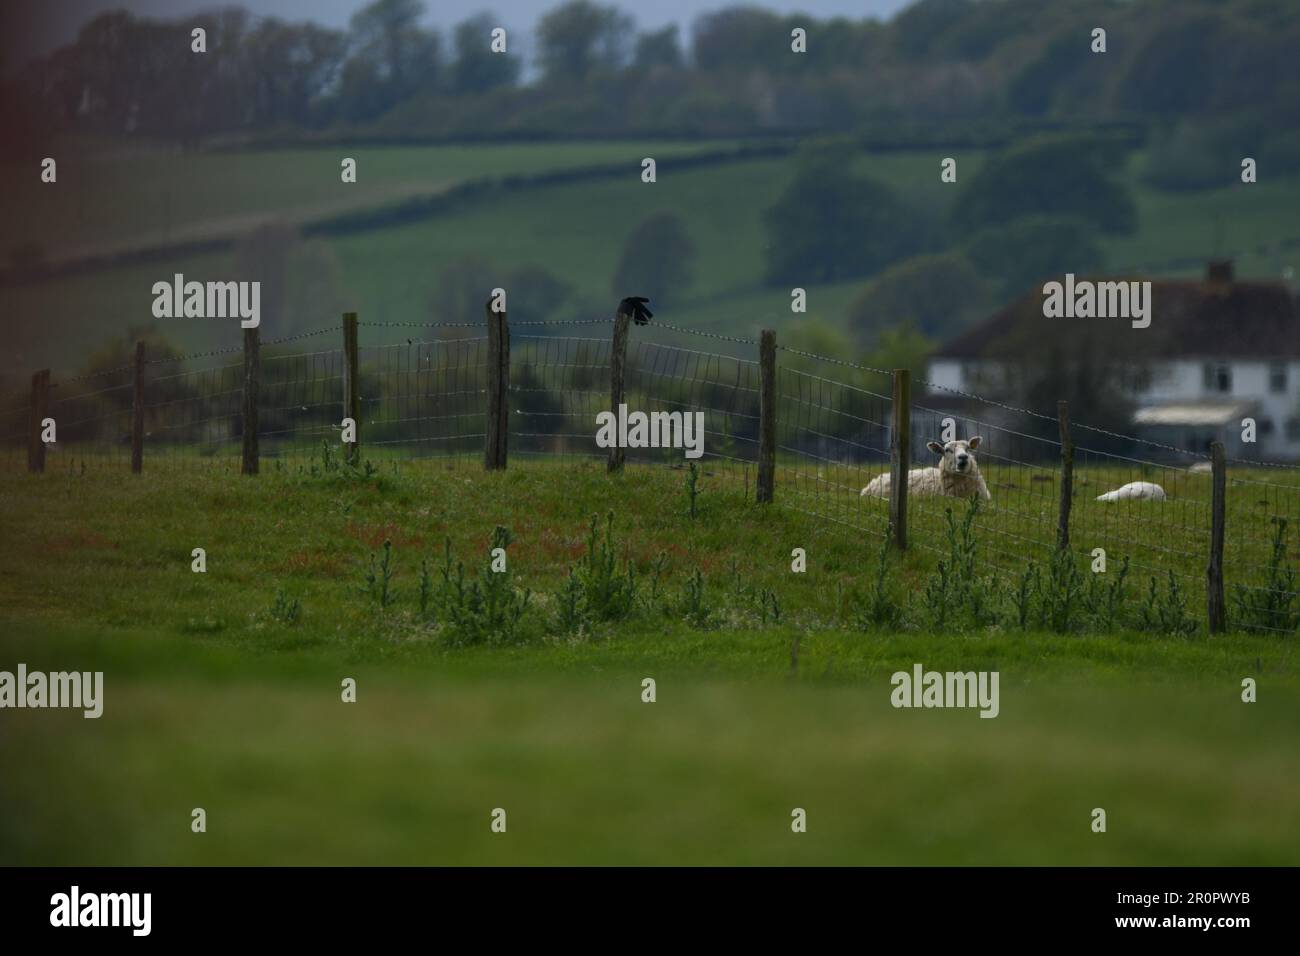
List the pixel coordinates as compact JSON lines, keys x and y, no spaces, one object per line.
{"x":1189,"y":318}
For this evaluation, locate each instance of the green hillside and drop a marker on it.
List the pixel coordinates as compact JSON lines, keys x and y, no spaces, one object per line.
{"x":112,"y":194}
{"x":575,"y":231}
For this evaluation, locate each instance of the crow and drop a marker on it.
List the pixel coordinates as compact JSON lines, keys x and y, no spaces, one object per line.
{"x":635,"y":307}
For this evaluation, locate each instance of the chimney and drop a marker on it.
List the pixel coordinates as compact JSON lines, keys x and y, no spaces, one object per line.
{"x":1218,"y":272}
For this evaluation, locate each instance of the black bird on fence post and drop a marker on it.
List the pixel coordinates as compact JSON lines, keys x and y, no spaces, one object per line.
{"x":635,"y":306}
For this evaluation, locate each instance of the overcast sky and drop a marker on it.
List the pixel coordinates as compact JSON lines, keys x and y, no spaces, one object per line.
{"x":62,"y":18}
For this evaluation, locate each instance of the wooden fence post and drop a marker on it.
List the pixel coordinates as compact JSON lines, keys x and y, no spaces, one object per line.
{"x":1067,"y":476}
{"x":40,"y":410}
{"x":1214,"y":572}
{"x":900,"y":454}
{"x":137,"y":412}
{"x":765,"y":488}
{"x":496,"y":442}
{"x":252,"y":379}
{"x":351,"y":386}
{"x":617,"y":371}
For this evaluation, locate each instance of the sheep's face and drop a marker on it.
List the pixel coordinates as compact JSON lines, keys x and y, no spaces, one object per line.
{"x":958,"y":456}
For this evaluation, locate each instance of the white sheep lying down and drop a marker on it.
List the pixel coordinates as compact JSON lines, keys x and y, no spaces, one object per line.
{"x":957,"y":476}
{"x":1135,"y":491}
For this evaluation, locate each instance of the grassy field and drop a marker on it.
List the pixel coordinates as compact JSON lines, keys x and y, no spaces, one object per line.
{"x":213,"y":700}
{"x":575,"y":231}
{"x":109,"y":196}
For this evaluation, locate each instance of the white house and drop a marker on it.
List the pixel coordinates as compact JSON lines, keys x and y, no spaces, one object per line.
{"x":1218,"y":352}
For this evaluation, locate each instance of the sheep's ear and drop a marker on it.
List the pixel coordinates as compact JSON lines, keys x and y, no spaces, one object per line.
{"x":935,"y":447}
{"x":974,"y":442}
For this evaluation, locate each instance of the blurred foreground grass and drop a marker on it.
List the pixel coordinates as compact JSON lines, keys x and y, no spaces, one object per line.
{"x":589,"y":774}
{"x":211,"y":703}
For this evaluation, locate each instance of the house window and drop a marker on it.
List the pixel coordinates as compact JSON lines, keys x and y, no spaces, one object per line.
{"x":1218,"y":377}
{"x":1293,"y":429}
{"x":1266,"y":426}
{"x":1277,"y":377}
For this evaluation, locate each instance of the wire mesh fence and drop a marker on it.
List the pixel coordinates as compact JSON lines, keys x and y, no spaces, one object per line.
{"x":425,"y":398}
{"x":192,"y":417}
{"x":557,"y":387}
{"x":422,"y":399}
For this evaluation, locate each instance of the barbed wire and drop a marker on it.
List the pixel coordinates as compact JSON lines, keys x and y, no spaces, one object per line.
{"x":563,"y":322}
{"x":301,"y":335}
{"x":482,"y":325}
{"x":708,"y":335}
{"x":87,"y":376}
{"x":833,"y":361}
{"x":423,"y":325}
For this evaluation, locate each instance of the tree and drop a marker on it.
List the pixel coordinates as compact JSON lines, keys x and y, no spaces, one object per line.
{"x":113,"y":358}
{"x":477,"y":68}
{"x":289,"y":69}
{"x":1018,"y":255}
{"x":657,"y":260}
{"x":108,"y":64}
{"x":391,"y":58}
{"x":535,"y":294}
{"x":263,"y":256}
{"x":936,"y":293}
{"x":659,"y":48}
{"x":1193,"y":154}
{"x":314,"y":287}
{"x":746,"y":38}
{"x":1085,"y":374}
{"x":1059,"y":176}
{"x":831,"y":224}
{"x":111,"y":364}
{"x":464,"y":285}
{"x":903,"y":346}
{"x":581,"y":38}
{"x":1175,"y":70}
{"x":818,"y":336}
{"x":1033,"y":88}
{"x":133,"y":76}
{"x":919,"y":26}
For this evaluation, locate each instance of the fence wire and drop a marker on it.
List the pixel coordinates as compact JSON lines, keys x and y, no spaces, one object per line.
{"x":426,"y":399}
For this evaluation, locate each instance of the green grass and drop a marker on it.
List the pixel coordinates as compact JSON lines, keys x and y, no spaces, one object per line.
{"x":1211,"y":222}
{"x":212,"y":703}
{"x":588,"y":774}
{"x":105,"y":197}
{"x":84,"y":312}
{"x":576,"y":231}
{"x":313,"y":533}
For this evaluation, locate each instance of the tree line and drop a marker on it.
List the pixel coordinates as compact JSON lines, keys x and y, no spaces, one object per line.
{"x":596,"y":74}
